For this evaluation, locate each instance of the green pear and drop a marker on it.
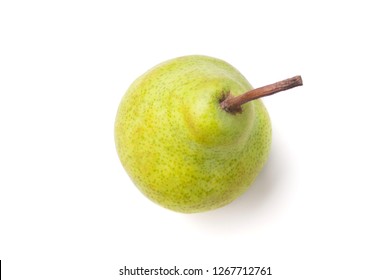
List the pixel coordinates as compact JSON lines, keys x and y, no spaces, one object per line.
{"x":188,"y":137}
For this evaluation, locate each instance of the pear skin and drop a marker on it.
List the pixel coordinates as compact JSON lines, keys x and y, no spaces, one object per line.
{"x":179,"y":146}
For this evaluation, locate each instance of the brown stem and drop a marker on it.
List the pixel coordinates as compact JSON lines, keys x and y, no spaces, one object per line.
{"x":233,"y":104}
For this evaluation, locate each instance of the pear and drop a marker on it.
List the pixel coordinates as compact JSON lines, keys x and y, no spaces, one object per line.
{"x":188,"y":137}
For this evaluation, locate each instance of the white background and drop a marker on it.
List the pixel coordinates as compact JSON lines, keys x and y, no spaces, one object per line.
{"x":320,"y":208}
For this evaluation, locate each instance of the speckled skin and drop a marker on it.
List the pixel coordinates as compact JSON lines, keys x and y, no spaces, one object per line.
{"x":176,"y":143}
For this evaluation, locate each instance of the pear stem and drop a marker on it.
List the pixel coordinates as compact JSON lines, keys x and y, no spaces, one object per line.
{"x":233,"y":104}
